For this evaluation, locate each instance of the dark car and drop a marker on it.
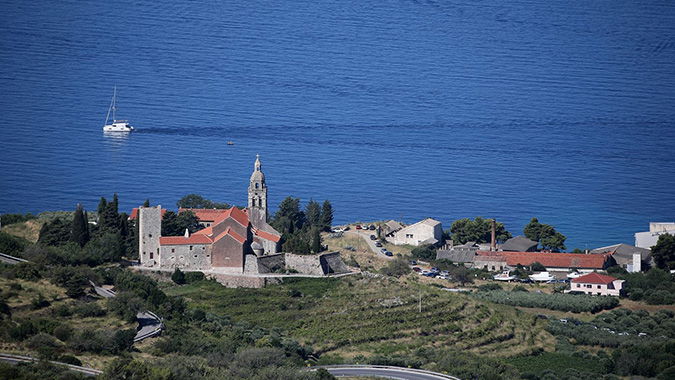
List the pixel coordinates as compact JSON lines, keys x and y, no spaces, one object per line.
{"x":413,"y":262}
{"x":371,"y":227}
{"x":373,"y":237}
{"x":417,"y":269}
{"x":526,"y":280}
{"x":435,"y":270}
{"x":378,"y":244}
{"x":389,"y":254}
{"x":430,"y":274}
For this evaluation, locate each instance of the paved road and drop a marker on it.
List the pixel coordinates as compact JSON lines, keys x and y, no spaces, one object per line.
{"x":386,"y":372}
{"x":371,"y":243}
{"x":16,"y":359}
{"x":7,"y":259}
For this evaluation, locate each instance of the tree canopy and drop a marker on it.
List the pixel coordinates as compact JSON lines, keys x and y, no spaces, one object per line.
{"x":664,"y":252}
{"x":80,"y":228}
{"x":545,"y":235}
{"x":197,"y":201}
{"x":478,"y":230}
{"x":175,"y":224}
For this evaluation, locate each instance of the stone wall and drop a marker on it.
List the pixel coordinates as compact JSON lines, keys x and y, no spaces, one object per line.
{"x":149,"y":230}
{"x":183,"y":256}
{"x":235,"y":281}
{"x":332,"y":263}
{"x":318,"y":265}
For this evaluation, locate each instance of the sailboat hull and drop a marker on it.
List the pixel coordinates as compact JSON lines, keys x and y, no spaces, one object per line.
{"x":118,"y":127}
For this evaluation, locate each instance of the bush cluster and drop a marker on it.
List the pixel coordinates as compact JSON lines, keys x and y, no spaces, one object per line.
{"x":563,"y":302}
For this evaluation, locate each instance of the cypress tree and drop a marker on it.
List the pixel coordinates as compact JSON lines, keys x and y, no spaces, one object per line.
{"x":101,"y":210}
{"x":79,"y":232}
{"x":326,"y":216}
{"x":313,"y":213}
{"x":146,"y":203}
{"x":316,"y":240}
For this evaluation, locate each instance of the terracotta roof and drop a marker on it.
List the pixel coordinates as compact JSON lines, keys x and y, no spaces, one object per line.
{"x":230,"y":232}
{"x":134,"y":213}
{"x":207,"y":214}
{"x":181,"y":240}
{"x":266,"y":235}
{"x":594,"y":278}
{"x":551,"y":260}
{"x":238,"y":215}
{"x":208,"y":231}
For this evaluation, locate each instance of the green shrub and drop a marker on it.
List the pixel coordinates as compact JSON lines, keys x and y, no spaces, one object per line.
{"x":89,"y":309}
{"x":191,"y":277}
{"x":489,"y":286}
{"x":563,"y":302}
{"x":63,"y":332}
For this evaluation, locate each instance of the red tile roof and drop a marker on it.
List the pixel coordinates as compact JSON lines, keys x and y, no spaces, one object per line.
{"x":207,"y":214}
{"x":216,"y":215}
{"x":134,"y":213}
{"x":208,"y":231}
{"x":551,"y":260}
{"x":594,"y":278}
{"x":230,"y":232}
{"x":266,"y":235}
{"x":181,"y":240}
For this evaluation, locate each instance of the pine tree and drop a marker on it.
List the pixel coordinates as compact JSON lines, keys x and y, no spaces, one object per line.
{"x":146,"y":203}
{"x":326,"y":216}
{"x":79,"y":232}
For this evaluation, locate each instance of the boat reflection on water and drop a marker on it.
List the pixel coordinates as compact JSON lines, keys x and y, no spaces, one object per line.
{"x":116,"y":139}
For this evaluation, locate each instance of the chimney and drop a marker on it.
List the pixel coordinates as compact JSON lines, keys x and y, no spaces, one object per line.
{"x":187,"y":233}
{"x":493,"y":243}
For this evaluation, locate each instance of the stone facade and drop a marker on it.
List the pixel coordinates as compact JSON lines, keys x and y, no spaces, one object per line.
{"x":190,"y":257}
{"x":427,"y":231}
{"x":149,"y":231}
{"x":318,"y":265}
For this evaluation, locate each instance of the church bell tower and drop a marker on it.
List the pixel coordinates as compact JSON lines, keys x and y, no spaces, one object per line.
{"x":257,"y":190}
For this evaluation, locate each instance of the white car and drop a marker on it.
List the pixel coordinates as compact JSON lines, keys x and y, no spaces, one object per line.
{"x":443,"y":277}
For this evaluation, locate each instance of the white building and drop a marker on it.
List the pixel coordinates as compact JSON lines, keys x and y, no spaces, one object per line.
{"x":649,"y":238}
{"x":427,"y":231}
{"x":596,"y":284}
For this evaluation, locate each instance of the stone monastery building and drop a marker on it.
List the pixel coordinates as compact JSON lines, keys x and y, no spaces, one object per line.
{"x":229,"y":238}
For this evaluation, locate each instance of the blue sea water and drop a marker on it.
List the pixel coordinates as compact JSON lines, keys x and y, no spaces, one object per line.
{"x":390,"y":109}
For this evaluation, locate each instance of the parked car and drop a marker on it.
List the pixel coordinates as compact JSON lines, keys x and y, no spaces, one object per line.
{"x":383,"y":250}
{"x":389,"y":254}
{"x":373,"y":237}
{"x":416,"y":269}
{"x":413,"y":262}
{"x":371,"y":227}
{"x":435,"y":270}
{"x":378,"y":244}
{"x":445,"y":273}
{"x":430,"y":274}
{"x":443,"y":277}
{"x":358,"y":227}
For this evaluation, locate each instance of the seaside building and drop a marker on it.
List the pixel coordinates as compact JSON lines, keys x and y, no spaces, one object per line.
{"x":519,"y":244}
{"x":596,"y":284}
{"x":427,"y":231}
{"x":229,"y":238}
{"x":631,"y":258}
{"x":649,"y":238}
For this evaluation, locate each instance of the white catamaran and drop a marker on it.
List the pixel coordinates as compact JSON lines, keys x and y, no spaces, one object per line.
{"x":116,"y":125}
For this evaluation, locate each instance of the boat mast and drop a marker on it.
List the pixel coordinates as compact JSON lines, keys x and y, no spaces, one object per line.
{"x":112,"y":107}
{"x":114,"y":102}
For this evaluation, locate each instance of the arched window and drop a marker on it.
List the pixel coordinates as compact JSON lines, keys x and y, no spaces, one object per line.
{"x":257,"y":185}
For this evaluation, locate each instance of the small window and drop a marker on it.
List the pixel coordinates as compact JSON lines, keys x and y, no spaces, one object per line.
{"x":151,"y":256}
{"x":599,"y":286}
{"x":257,"y":185}
{"x":195,"y":256}
{"x":149,"y":235}
{"x":578,"y":285}
{"x":190,"y":248}
{"x":173,"y":250}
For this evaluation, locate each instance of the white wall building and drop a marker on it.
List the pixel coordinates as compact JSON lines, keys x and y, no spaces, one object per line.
{"x":649,"y":238}
{"x":427,"y":231}
{"x":596,"y":284}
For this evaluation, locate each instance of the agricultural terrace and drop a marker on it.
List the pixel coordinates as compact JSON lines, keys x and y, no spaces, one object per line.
{"x":348,"y":317}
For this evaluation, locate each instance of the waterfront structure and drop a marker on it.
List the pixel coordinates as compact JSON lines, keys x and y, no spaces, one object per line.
{"x":629,"y":257}
{"x":427,"y":231}
{"x":554,"y":262}
{"x":596,"y":284}
{"x":649,"y":238}
{"x":230,"y":237}
{"x":519,"y":244}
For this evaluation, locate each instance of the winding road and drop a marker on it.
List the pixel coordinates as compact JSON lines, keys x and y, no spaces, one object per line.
{"x":387,"y":372}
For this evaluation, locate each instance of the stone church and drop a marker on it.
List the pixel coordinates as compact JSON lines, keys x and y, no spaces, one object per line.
{"x":230,"y":238}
